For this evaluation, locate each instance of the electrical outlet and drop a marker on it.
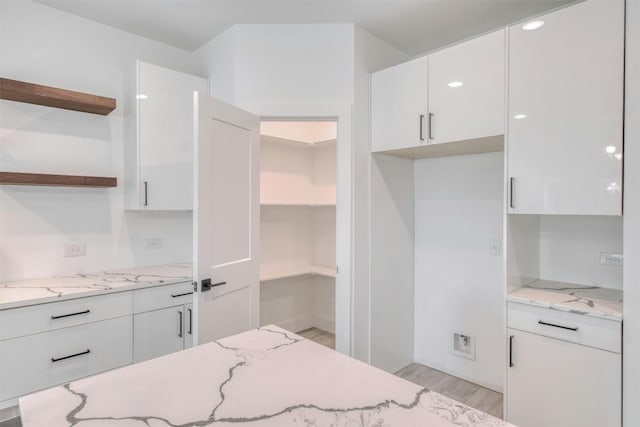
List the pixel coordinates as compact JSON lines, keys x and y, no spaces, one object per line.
{"x":74,"y":249}
{"x":154,"y":243}
{"x":607,"y":258}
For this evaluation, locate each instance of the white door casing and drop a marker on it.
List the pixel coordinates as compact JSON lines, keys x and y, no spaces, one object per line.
{"x":226,"y":218}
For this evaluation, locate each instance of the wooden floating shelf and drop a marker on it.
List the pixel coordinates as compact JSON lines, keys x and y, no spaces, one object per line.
{"x":17,"y":178}
{"x":31,"y":93}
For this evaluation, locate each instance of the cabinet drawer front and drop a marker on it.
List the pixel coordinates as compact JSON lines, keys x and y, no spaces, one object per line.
{"x":17,"y":322}
{"x":586,"y":330}
{"x":162,"y":297}
{"x":43,"y":360}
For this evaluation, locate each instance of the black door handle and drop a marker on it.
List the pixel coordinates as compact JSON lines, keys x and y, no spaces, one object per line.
{"x":206,"y":284}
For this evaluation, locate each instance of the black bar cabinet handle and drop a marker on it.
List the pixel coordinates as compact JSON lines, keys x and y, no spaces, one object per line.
{"x":558,"y":326}
{"x":70,"y":314}
{"x":181,"y":295}
{"x":180,"y":318}
{"x":87,"y":351}
{"x":145,"y":193}
{"x":430,"y":132}
{"x":421,"y":127}
{"x":511,"y":182}
{"x":511,"y":351}
{"x":190,"y":321}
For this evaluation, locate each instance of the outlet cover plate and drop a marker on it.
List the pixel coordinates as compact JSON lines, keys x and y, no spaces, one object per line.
{"x":615,"y":259}
{"x":74,"y":249}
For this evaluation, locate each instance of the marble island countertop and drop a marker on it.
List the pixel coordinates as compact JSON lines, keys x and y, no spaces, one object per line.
{"x":37,"y":291}
{"x":264,"y":377}
{"x":587,"y":300}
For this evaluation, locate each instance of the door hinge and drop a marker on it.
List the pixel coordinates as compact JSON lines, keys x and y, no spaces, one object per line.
{"x":195,"y":286}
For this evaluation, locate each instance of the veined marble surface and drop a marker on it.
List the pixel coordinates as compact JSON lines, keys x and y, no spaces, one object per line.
{"x":265,"y":377}
{"x":588,"y":300}
{"x":36,"y":291}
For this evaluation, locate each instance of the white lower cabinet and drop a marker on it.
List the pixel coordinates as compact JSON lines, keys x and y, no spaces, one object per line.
{"x":45,"y":345}
{"x":161,"y":332}
{"x":553,"y":382}
{"x":38,"y":361}
{"x":162,"y":320}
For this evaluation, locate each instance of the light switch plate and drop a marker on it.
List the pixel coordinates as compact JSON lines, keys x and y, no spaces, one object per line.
{"x":154,"y":243}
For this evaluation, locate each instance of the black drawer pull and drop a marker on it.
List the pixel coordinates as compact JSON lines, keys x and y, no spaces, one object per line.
{"x":181,"y":295}
{"x":190,"y":331}
{"x":87,"y":351}
{"x":71,"y":314}
{"x":558,"y":326}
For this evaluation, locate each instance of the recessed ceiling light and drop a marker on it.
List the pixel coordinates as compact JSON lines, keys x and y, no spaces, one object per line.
{"x":141,"y":96}
{"x":611,"y":149}
{"x":532,"y":25}
{"x":519,"y":116}
{"x":455,"y":84}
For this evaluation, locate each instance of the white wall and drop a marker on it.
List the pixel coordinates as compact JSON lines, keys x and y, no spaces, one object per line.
{"x":371,"y":54}
{"x":458,"y":282}
{"x":43,"y":45}
{"x":631,"y":352}
{"x":392,"y":262}
{"x":570,"y":248}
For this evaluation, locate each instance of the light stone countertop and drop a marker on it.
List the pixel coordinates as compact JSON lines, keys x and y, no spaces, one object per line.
{"x":587,"y":300}
{"x":37,"y":291}
{"x":262,"y":378}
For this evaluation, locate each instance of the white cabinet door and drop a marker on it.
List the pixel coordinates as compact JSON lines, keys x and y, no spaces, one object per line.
{"x":565,"y":111}
{"x":164,"y":135}
{"x":226,"y":217}
{"x":466,"y":90}
{"x":399,"y":106}
{"x":555,"y":383}
{"x":158,"y":332}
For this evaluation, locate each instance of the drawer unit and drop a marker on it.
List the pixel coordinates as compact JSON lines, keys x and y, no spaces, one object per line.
{"x":18,"y":322}
{"x":159,"y":297}
{"x":577,"y":328}
{"x":43,"y":360}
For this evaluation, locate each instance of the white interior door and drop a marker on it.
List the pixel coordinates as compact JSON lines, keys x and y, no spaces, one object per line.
{"x":226,"y":219}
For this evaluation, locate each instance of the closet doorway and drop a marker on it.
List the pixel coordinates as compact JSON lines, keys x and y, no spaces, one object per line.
{"x":298,"y":227}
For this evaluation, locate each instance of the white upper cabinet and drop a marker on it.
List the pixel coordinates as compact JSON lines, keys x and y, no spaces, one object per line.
{"x":466,"y":90}
{"x":399,"y":106}
{"x":565,"y":111}
{"x":159,"y":146}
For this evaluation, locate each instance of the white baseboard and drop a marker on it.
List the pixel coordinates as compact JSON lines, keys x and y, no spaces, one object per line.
{"x":296,"y":324}
{"x":307,"y":321}
{"x":323,"y":322}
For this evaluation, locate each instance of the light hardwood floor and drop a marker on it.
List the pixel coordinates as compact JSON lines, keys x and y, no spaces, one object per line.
{"x":325,"y":338}
{"x":458,"y":389}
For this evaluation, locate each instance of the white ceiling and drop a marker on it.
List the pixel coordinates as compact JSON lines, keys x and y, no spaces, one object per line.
{"x":414,"y":27}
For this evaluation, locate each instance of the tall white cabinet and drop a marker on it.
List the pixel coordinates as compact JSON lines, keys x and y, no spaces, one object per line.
{"x":159,"y":137}
{"x":298,"y":225}
{"x":565,"y":111}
